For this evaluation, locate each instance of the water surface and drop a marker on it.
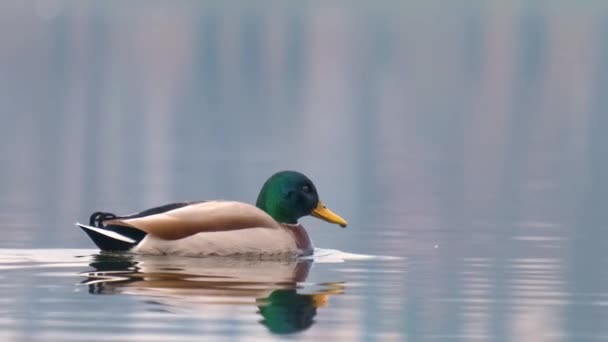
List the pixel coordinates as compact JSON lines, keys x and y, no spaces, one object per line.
{"x":467,"y":139}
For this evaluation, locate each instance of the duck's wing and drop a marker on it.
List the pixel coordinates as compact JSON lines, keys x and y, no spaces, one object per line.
{"x":98,"y":218}
{"x":186,"y":220}
{"x":159,"y":210}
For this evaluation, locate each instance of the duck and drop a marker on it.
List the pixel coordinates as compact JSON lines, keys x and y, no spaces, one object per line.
{"x":220,"y":227}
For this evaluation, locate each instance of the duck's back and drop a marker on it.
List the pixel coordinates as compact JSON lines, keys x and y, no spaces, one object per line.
{"x":203,"y":217}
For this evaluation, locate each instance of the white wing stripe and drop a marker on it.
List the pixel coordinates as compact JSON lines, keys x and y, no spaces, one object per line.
{"x":108,"y":233}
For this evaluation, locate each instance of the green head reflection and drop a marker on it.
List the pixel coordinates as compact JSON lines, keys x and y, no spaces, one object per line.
{"x":286,"y":311}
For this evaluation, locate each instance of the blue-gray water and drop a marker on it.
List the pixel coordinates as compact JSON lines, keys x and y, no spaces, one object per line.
{"x":465,"y":139}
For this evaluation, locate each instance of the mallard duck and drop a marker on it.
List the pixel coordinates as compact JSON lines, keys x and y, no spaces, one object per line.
{"x":220,"y":227}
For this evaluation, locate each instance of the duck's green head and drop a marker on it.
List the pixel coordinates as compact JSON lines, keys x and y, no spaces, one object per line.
{"x":289,"y":195}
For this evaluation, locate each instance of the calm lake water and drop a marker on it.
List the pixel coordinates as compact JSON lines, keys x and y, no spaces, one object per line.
{"x":464,"y":142}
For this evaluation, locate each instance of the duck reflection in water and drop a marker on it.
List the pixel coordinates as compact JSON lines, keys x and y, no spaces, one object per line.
{"x":180,"y":283}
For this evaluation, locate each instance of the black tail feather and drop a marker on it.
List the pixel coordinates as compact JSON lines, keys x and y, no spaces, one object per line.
{"x":114,"y":238}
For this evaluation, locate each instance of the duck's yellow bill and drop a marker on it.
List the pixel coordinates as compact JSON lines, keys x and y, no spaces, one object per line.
{"x":325,"y":214}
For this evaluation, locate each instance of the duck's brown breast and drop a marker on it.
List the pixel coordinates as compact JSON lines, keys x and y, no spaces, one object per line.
{"x":301,"y":238}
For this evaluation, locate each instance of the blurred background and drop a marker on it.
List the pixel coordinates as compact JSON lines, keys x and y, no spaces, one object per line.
{"x":469,"y":134}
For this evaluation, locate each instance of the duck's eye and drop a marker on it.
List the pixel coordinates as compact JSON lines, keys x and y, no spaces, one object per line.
{"x":306,"y":188}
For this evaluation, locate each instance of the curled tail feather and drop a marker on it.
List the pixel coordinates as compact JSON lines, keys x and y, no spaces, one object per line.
{"x":96,"y":219}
